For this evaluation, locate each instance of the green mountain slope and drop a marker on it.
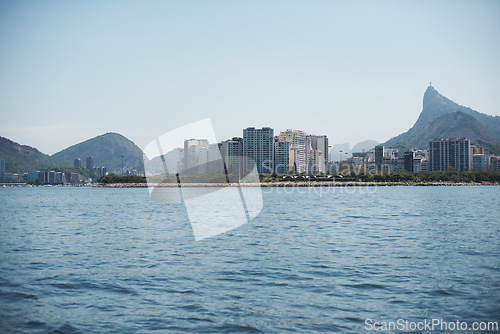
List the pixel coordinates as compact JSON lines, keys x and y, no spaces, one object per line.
{"x":453,"y":125}
{"x":24,"y":158}
{"x":107,"y":150}
{"x":436,"y":105}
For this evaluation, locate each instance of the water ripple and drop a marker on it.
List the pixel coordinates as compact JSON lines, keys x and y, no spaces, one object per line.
{"x":110,"y":260}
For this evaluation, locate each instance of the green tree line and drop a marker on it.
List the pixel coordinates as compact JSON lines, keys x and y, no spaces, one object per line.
{"x":436,"y":176}
{"x":113,"y":178}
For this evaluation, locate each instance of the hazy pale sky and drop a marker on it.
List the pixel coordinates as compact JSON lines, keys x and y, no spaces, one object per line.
{"x":353,"y":70}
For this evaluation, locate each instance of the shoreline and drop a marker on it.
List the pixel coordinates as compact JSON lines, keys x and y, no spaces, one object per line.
{"x":327,"y":184}
{"x":298,"y":184}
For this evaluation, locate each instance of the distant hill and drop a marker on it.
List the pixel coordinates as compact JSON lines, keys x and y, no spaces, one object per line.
{"x":107,"y":150}
{"x":365,"y":145}
{"x":155,"y":166}
{"x":336,"y":155}
{"x":23,"y":158}
{"x":467,"y":123}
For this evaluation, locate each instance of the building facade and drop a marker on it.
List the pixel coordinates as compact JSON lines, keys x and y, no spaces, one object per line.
{"x":300,"y":145}
{"x":258,"y":145}
{"x":194,"y":156}
{"x":284,"y":162}
{"x":451,"y":152}
{"x":320,"y":143}
{"x":379,"y":156}
{"x":480,"y":162}
{"x":232,"y":153}
{"x":90,"y":163}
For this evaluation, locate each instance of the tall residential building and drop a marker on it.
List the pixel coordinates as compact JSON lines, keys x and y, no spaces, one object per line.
{"x":320,"y":143}
{"x":379,"y":156}
{"x":215,"y":164}
{"x":2,"y":166}
{"x":195,"y":156}
{"x":303,"y":153}
{"x":480,"y":162}
{"x":52,"y":177}
{"x":409,"y":156}
{"x":90,"y":163}
{"x":77,"y":163}
{"x":258,"y":146}
{"x":415,"y":160}
{"x":283,"y":157}
{"x":232,"y":153}
{"x":200,"y":158}
{"x":300,"y":145}
{"x":495,"y":164}
{"x":42,"y":177}
{"x":451,"y":152}
{"x":101,"y":170}
{"x":315,"y":163}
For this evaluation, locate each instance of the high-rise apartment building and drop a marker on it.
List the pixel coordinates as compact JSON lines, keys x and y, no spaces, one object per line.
{"x":195,"y":156}
{"x":480,"y":162}
{"x":451,"y":152}
{"x":306,"y":153}
{"x":258,"y":145}
{"x":315,"y":161}
{"x":232,"y":153}
{"x":409,"y":156}
{"x":200,"y":158}
{"x":300,"y":145}
{"x":379,"y":156}
{"x":77,"y":163}
{"x":283,"y":157}
{"x":215,"y":164}
{"x":90,"y":163}
{"x":320,"y":164}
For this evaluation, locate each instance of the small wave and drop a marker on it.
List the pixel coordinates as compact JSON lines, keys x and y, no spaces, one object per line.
{"x":92,"y":286}
{"x":65,"y":329}
{"x":35,"y":324}
{"x":441,"y":293}
{"x":231,"y":328}
{"x":397,"y":301}
{"x":199,"y":319}
{"x":365,"y":286}
{"x":15,"y":296}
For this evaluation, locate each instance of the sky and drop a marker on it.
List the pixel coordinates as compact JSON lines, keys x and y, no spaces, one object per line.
{"x":353,"y":70}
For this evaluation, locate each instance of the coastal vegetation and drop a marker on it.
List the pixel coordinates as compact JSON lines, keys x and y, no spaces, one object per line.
{"x":437,"y":176}
{"x":449,"y":176}
{"x":113,"y":178}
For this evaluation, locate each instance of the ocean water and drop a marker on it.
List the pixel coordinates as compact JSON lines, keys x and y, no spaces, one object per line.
{"x":80,"y":260}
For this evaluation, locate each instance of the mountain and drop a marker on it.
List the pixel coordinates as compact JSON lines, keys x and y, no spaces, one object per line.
{"x":155,"y":166}
{"x":453,"y":125}
{"x":435,"y":106}
{"x":23,"y":158}
{"x":107,"y":150}
{"x":338,"y":151}
{"x":365,"y":145}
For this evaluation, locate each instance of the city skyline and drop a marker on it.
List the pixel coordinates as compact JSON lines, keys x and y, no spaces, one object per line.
{"x":351,"y":71}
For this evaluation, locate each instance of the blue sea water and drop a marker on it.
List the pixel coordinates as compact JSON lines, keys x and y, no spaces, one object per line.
{"x":80,"y":260}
